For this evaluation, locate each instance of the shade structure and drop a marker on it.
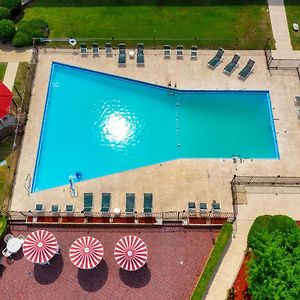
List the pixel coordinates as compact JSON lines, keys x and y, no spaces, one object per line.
{"x":40,"y":246}
{"x":131,"y":253}
{"x":5,"y":100}
{"x":86,"y":252}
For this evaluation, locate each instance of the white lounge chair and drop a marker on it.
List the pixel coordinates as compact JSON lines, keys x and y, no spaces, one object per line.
{"x":194,"y":52}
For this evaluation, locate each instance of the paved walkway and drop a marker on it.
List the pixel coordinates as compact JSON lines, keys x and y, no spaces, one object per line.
{"x":10,"y":74}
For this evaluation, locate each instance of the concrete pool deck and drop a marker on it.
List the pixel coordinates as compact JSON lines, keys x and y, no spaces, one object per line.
{"x":176,"y":182}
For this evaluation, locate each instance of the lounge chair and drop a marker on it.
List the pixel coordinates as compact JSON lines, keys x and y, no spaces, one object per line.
{"x":216,"y":208}
{"x":297,"y":101}
{"x":230,"y":67}
{"x":179,"y":52}
{"x":298,"y":114}
{"x":246,"y":71}
{"x":88,"y":202}
{"x":130,"y":203}
{"x":105,"y":204}
{"x":83,"y":49}
{"x":122,"y":55}
{"x":108,"y":49}
{"x":192,"y":207}
{"x":69,"y":208}
{"x":214,"y":62}
{"x":140,"y":59}
{"x":194,"y":52}
{"x":54,"y":208}
{"x":167,"y":51}
{"x":7,"y":237}
{"x":203,"y":207}
{"x":39,"y":207}
{"x":95,"y":49}
{"x":148,"y":202}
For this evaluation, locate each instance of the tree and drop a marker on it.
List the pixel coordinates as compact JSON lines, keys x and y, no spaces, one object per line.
{"x":7,"y":30}
{"x":4,"y":13}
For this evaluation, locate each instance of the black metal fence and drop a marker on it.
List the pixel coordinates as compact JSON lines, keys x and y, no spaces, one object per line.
{"x":214,"y":217}
{"x":280,"y":63}
{"x":156,"y":42}
{"x":239,"y":183}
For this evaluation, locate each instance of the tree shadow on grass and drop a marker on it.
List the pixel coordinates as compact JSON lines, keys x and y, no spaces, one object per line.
{"x":46,"y":274}
{"x":136,"y":279}
{"x":94,"y":279}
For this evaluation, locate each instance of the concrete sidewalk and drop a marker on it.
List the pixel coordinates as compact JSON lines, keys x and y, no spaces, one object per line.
{"x":10,"y":74}
{"x":280,"y":29}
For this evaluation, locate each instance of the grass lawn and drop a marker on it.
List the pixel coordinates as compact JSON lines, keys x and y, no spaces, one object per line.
{"x":292,"y":8}
{"x":230,"y":23}
{"x":5,"y":151}
{"x":20,"y":81}
{"x":2,"y":70}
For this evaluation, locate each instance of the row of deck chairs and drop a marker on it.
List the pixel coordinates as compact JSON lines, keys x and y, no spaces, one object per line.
{"x":96,"y":49}
{"x":232,"y":65}
{"x":215,"y":207}
{"x":179,"y":52}
{"x":106,"y":202}
{"x":54,"y":208}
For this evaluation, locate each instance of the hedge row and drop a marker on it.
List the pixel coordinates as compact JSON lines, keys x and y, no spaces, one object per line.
{"x":213,"y":261}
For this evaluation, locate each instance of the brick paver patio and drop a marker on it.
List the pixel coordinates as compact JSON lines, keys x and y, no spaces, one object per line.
{"x":176,"y":259}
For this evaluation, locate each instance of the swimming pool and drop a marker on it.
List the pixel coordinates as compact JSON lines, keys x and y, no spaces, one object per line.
{"x":97,"y":124}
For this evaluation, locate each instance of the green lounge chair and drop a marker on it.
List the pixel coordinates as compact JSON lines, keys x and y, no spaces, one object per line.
{"x":54,"y":208}
{"x":95,"y":49}
{"x":39,"y":207}
{"x":140,"y":59}
{"x":192,"y":206}
{"x":69,"y":208}
{"x":88,"y":202}
{"x":148,"y":202}
{"x":216,"y":206}
{"x":203,"y":207}
{"x":179,"y":52}
{"x":130,"y":203}
{"x":194,"y":52}
{"x":214,"y":62}
{"x":83,"y":49}
{"x":122,"y":55}
{"x":232,"y":65}
{"x":108,"y":49}
{"x":167,"y":51}
{"x":105,"y":204}
{"x":246,"y":71}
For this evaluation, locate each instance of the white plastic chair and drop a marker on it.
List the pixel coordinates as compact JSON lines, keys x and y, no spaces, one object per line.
{"x":6,"y":253}
{"x":21,"y":238}
{"x":7,"y":237}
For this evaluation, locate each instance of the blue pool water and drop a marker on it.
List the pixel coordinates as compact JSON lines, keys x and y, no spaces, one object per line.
{"x":99,"y":124}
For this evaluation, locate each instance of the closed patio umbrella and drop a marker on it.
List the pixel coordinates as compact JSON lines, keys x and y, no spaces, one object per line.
{"x":131,"y":253}
{"x":40,"y":246}
{"x":86,"y":252}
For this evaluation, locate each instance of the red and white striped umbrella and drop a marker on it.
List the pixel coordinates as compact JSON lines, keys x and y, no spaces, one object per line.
{"x":40,"y":246}
{"x":86,"y":252}
{"x":131,"y":253}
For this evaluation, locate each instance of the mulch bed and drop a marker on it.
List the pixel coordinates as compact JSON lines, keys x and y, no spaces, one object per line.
{"x":241,"y":285}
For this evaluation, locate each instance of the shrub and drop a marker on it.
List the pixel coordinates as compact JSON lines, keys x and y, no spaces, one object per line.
{"x":15,"y":6}
{"x":3,"y":226}
{"x":27,"y":30}
{"x":275,"y":264}
{"x":7,"y":30}
{"x":4,"y":13}
{"x":213,"y":261}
